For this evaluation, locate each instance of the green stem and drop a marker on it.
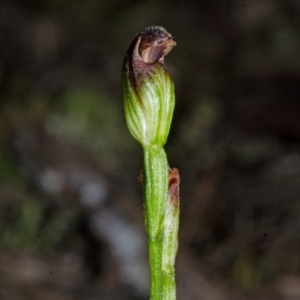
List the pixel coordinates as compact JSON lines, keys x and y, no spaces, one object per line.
{"x":161,"y":223}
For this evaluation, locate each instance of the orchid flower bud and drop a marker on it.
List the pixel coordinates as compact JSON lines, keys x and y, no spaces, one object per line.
{"x":148,"y":90}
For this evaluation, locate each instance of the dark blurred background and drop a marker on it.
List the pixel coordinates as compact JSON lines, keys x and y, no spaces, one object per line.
{"x":71,"y":215}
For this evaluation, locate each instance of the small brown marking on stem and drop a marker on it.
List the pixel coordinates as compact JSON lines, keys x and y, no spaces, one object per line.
{"x":174,"y":180}
{"x":141,"y":177}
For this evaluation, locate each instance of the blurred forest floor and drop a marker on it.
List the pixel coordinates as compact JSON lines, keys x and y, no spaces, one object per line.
{"x":71,"y":213}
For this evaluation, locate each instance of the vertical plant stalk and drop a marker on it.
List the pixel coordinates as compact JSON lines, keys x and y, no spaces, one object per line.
{"x":149,"y":100}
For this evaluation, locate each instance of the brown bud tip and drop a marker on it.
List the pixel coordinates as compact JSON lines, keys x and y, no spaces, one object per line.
{"x":150,"y":46}
{"x":146,"y":51}
{"x":153,"y":44}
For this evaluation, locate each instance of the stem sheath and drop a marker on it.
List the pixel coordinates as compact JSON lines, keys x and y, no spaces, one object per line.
{"x":162,"y":218}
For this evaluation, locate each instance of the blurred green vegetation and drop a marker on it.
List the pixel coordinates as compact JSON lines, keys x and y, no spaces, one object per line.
{"x":250,"y":271}
{"x":9,"y":170}
{"x":30,"y":232}
{"x":92,"y":120}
